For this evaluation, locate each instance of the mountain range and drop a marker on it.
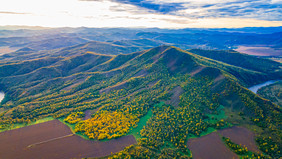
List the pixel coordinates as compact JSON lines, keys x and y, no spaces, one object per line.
{"x":138,"y":73}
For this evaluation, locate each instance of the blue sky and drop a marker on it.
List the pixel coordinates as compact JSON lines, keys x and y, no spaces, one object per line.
{"x":257,"y":9}
{"x":142,"y":13}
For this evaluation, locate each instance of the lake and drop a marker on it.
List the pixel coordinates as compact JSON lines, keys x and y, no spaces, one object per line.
{"x":1,"y":96}
{"x":255,"y":88}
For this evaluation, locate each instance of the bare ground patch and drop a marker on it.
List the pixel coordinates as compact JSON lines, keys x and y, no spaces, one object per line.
{"x":115,"y":87}
{"x":88,"y":113}
{"x":174,"y":99}
{"x":241,"y":135}
{"x":141,"y":73}
{"x":210,"y":147}
{"x":56,"y":142}
{"x":151,"y":84}
{"x":193,"y":73}
{"x":217,"y":81}
{"x":218,"y":78}
{"x":76,"y":83}
{"x":139,"y":90}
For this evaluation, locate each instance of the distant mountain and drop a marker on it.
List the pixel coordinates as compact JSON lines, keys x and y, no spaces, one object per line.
{"x":218,"y":39}
{"x":111,"y":47}
{"x":107,"y":48}
{"x":53,"y":43}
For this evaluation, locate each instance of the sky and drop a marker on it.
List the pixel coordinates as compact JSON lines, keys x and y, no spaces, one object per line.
{"x":142,"y":13}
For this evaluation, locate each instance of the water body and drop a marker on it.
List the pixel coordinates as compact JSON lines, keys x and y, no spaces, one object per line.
{"x":1,"y":96}
{"x":255,"y":88}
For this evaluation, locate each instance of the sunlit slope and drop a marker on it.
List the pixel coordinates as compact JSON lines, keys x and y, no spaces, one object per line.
{"x":124,"y":88}
{"x":239,"y":61}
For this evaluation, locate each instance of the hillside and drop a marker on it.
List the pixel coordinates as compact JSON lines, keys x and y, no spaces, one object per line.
{"x":241,"y":60}
{"x":182,"y":91}
{"x":238,"y":64}
{"x":272,"y":92}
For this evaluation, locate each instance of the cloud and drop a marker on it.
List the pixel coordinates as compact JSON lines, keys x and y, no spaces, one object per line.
{"x":149,"y":13}
{"x":255,"y":9}
{"x":150,"y":6}
{"x":276,"y":1}
{"x":156,"y":7}
{"x":3,"y":12}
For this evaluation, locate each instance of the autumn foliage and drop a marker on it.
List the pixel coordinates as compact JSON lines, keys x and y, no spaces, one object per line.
{"x":74,"y":117}
{"x":107,"y":125}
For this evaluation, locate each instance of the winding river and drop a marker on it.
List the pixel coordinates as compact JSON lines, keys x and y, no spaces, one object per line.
{"x":1,"y":96}
{"x":255,"y":88}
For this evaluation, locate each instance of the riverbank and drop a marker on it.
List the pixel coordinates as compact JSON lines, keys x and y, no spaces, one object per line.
{"x":255,"y":88}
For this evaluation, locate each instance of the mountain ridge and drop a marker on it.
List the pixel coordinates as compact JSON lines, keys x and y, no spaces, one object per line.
{"x":128,"y":86}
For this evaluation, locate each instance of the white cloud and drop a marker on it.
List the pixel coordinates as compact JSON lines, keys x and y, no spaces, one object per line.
{"x":246,"y":9}
{"x":276,"y":1}
{"x":107,"y":13}
{"x":192,"y":2}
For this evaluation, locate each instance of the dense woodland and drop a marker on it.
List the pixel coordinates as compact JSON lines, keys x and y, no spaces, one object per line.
{"x":272,"y":92}
{"x":124,"y":88}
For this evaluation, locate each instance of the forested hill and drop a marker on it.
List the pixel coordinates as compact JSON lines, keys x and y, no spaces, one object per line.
{"x":237,"y":61}
{"x":241,"y":60}
{"x":182,"y":90}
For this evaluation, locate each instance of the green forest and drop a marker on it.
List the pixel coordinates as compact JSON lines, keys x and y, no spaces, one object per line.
{"x":175,"y":95}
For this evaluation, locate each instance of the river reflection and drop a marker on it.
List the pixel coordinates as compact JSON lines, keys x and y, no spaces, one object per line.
{"x":1,"y":96}
{"x":255,"y":88}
